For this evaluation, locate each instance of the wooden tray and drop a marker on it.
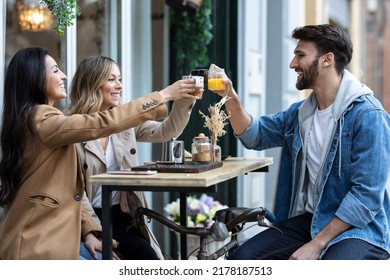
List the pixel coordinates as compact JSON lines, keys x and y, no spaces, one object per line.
{"x":187,"y":167}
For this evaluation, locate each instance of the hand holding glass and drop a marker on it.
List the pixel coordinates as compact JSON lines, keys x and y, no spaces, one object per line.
{"x":215,"y":79}
{"x":199,"y":84}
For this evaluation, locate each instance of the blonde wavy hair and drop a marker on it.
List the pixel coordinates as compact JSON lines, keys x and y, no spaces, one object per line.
{"x":91,"y":74}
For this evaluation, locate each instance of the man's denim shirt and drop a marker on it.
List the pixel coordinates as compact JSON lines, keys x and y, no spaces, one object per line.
{"x":353,"y":182}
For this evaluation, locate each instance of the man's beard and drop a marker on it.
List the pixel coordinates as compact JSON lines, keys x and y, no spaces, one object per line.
{"x":308,"y":76}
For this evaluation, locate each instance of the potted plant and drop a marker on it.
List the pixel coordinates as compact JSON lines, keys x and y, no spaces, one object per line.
{"x":65,"y":11}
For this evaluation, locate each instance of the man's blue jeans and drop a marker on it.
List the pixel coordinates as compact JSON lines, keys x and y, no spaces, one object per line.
{"x":281,"y":242}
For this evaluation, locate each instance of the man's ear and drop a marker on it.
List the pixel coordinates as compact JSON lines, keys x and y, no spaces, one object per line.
{"x":328,"y":59}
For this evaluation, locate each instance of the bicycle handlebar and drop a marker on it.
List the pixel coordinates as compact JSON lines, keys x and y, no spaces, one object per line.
{"x":270,"y":216}
{"x":249,"y":214}
{"x":218,"y":231}
{"x":243,"y":216}
{"x":165,"y":221}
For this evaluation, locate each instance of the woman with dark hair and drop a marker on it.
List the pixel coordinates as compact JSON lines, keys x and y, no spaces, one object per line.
{"x":40,"y":171}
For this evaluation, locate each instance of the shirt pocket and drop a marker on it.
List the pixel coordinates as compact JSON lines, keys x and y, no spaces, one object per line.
{"x":341,"y":151}
{"x":291,"y":144}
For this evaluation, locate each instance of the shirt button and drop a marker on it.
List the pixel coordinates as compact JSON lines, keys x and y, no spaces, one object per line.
{"x":133,"y":151}
{"x":77,"y":197}
{"x":144,"y":107}
{"x":85,"y":166}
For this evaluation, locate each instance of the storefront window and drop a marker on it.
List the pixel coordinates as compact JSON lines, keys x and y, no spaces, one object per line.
{"x":28,"y":25}
{"x":96,"y":31}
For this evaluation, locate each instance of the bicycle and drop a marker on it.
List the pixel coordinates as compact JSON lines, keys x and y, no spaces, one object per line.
{"x":228,"y":222}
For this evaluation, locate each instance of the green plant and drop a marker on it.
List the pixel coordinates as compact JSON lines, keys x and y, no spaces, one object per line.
{"x":65,"y":11}
{"x":193,"y":35}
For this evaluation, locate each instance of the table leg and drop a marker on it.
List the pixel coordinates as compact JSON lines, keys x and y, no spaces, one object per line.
{"x":183,"y":222}
{"x":107,"y":222}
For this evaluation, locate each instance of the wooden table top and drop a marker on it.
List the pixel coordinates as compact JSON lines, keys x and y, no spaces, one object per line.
{"x":231,"y":168}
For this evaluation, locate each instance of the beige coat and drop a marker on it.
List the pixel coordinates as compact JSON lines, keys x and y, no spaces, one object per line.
{"x":126,"y":154}
{"x":46,"y":220}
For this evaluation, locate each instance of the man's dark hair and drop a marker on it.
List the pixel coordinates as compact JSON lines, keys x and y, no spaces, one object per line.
{"x":328,"y":38}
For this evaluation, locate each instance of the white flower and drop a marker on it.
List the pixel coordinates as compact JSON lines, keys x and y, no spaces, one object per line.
{"x":200,"y":211}
{"x":173,"y":209}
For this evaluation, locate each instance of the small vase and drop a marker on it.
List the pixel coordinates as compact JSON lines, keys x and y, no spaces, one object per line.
{"x":216,"y":153}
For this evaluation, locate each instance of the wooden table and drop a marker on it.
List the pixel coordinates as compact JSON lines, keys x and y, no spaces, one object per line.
{"x":171,"y":182}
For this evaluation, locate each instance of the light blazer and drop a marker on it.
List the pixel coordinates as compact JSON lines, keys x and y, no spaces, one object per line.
{"x":126,"y":155}
{"x":46,"y":220}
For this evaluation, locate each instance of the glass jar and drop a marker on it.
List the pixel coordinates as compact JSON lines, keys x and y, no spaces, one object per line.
{"x":215,"y":79}
{"x":201,"y":149}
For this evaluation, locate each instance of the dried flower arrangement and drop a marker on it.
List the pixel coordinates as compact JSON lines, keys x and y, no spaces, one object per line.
{"x":216,"y":122}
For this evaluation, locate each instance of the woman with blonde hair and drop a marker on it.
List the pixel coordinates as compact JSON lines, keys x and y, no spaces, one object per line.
{"x":96,"y":87}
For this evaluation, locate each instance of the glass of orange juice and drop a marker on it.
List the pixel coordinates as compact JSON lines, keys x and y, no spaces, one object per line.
{"x":215,"y":79}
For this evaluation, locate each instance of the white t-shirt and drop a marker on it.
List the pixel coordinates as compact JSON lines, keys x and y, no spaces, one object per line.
{"x":317,"y":135}
{"x":111,"y":165}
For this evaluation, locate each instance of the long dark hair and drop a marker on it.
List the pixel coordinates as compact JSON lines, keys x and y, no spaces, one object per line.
{"x":24,"y":87}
